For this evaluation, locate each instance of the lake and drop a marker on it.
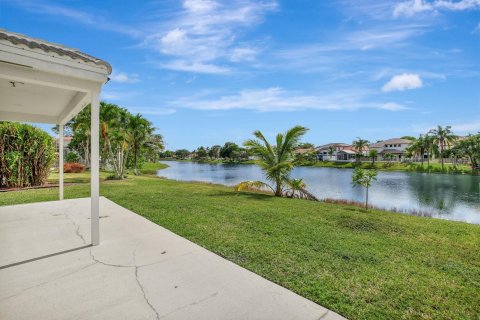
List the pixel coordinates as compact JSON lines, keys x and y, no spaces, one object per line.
{"x":451,"y":197}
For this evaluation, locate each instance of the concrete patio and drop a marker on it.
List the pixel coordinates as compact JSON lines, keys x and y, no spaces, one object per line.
{"x":139,"y":271}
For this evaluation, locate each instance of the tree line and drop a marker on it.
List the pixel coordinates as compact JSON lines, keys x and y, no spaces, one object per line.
{"x":126,"y":140}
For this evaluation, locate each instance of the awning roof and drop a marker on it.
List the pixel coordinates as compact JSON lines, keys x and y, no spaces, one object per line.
{"x":45,"y":82}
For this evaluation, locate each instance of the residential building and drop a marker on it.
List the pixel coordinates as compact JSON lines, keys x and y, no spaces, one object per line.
{"x":331,"y":152}
{"x":395,"y":146}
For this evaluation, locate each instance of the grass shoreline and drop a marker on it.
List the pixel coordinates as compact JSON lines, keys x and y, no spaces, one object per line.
{"x":380,"y":166}
{"x":363,"y":265}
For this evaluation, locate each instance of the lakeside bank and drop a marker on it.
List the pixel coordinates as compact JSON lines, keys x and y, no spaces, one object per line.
{"x":354,"y":262}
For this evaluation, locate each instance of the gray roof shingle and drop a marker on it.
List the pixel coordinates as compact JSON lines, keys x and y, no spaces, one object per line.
{"x":48,"y":47}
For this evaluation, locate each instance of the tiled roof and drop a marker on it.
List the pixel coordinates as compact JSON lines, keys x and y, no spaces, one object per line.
{"x":326,"y":146}
{"x":390,"y":141}
{"x":48,"y":47}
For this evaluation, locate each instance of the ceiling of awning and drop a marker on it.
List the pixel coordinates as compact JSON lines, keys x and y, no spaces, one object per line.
{"x":45,"y":82}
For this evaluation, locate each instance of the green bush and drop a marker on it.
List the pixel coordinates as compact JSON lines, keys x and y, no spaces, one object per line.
{"x":26,"y":155}
{"x":72,"y":157}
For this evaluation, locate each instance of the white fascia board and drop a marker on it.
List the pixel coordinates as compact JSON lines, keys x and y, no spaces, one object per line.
{"x":52,"y":64}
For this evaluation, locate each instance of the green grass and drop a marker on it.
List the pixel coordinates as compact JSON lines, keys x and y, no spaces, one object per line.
{"x":395,"y":166}
{"x":84,"y":177}
{"x":363,"y":265}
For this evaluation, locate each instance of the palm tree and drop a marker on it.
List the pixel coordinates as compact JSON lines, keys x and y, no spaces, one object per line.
{"x":139,"y":131}
{"x":276,"y":161}
{"x":360,"y":145}
{"x":373,"y":154}
{"x":418,"y":147}
{"x":331,"y":151}
{"x":443,"y":137}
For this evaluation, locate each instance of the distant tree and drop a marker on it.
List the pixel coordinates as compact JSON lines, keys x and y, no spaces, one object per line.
{"x":360,"y":145}
{"x":305,"y":145}
{"x":228,"y":148}
{"x":444,"y":138}
{"x":331,"y":151}
{"x":470,"y":148}
{"x":418,"y":147}
{"x":364,"y":178}
{"x":411,"y":138}
{"x":182,"y":153}
{"x":167,"y":154}
{"x":373,"y":154}
{"x":214,"y":152}
{"x":201,"y":153}
{"x":388,"y":157}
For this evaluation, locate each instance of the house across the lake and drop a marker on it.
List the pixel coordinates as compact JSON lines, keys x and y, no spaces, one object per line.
{"x":394,"y":146}
{"x":335,"y":152}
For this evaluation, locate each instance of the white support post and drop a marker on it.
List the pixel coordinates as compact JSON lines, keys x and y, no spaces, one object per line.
{"x":60,"y":162}
{"x":94,"y":169}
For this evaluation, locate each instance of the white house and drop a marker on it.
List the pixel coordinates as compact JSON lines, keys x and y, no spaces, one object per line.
{"x":394,"y":146}
{"x":330,"y":151}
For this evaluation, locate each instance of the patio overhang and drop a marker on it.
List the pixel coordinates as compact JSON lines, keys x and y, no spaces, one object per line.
{"x":43,"y":82}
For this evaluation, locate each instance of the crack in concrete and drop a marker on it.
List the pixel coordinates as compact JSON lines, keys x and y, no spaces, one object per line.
{"x":145,"y":294}
{"x":140,"y":284}
{"x":77,"y":231}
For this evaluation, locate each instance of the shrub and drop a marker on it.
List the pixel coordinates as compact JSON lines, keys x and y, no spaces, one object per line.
{"x":73,"y":167}
{"x":72,"y":157}
{"x":26,"y":155}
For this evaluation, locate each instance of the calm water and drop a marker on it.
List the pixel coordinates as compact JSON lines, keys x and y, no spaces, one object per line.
{"x":452,"y":197}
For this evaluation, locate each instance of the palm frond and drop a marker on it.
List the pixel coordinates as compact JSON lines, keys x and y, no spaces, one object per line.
{"x":253,"y":186}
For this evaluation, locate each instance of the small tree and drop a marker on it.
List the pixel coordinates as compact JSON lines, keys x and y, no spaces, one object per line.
{"x":373,"y":154}
{"x":365,"y":179}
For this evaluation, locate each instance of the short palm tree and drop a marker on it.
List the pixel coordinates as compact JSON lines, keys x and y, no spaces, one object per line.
{"x":276,"y":161}
{"x":418,"y":147}
{"x":360,"y":145}
{"x":443,"y":137}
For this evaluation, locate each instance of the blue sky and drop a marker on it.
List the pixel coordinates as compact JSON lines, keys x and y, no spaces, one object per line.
{"x":205,"y":72}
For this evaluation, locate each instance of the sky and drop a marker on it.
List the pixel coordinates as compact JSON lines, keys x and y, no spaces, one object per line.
{"x":206,"y":72}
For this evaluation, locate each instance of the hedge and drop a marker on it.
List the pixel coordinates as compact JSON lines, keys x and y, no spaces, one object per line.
{"x":26,"y":155}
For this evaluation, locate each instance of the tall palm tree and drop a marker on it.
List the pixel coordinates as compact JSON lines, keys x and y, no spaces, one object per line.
{"x":276,"y":161}
{"x":443,"y":137}
{"x":419,"y":147}
{"x":331,"y":151}
{"x":360,"y":145}
{"x":139,"y":131}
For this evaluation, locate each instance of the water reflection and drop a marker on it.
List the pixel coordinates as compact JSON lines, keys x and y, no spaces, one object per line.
{"x":453,"y":197}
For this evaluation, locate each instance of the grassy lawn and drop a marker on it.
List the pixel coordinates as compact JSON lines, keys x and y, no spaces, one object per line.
{"x":363,"y":265}
{"x":147,"y":168}
{"x":395,"y":166}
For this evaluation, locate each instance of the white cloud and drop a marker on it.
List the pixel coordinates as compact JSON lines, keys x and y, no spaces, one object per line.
{"x":412,"y":7}
{"x":278,"y":99}
{"x":392,"y":106}
{"x":243,"y":54}
{"x":206,"y":32}
{"x":402,"y":82}
{"x":124,"y":77}
{"x":195,"y":67}
{"x":93,"y":20}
